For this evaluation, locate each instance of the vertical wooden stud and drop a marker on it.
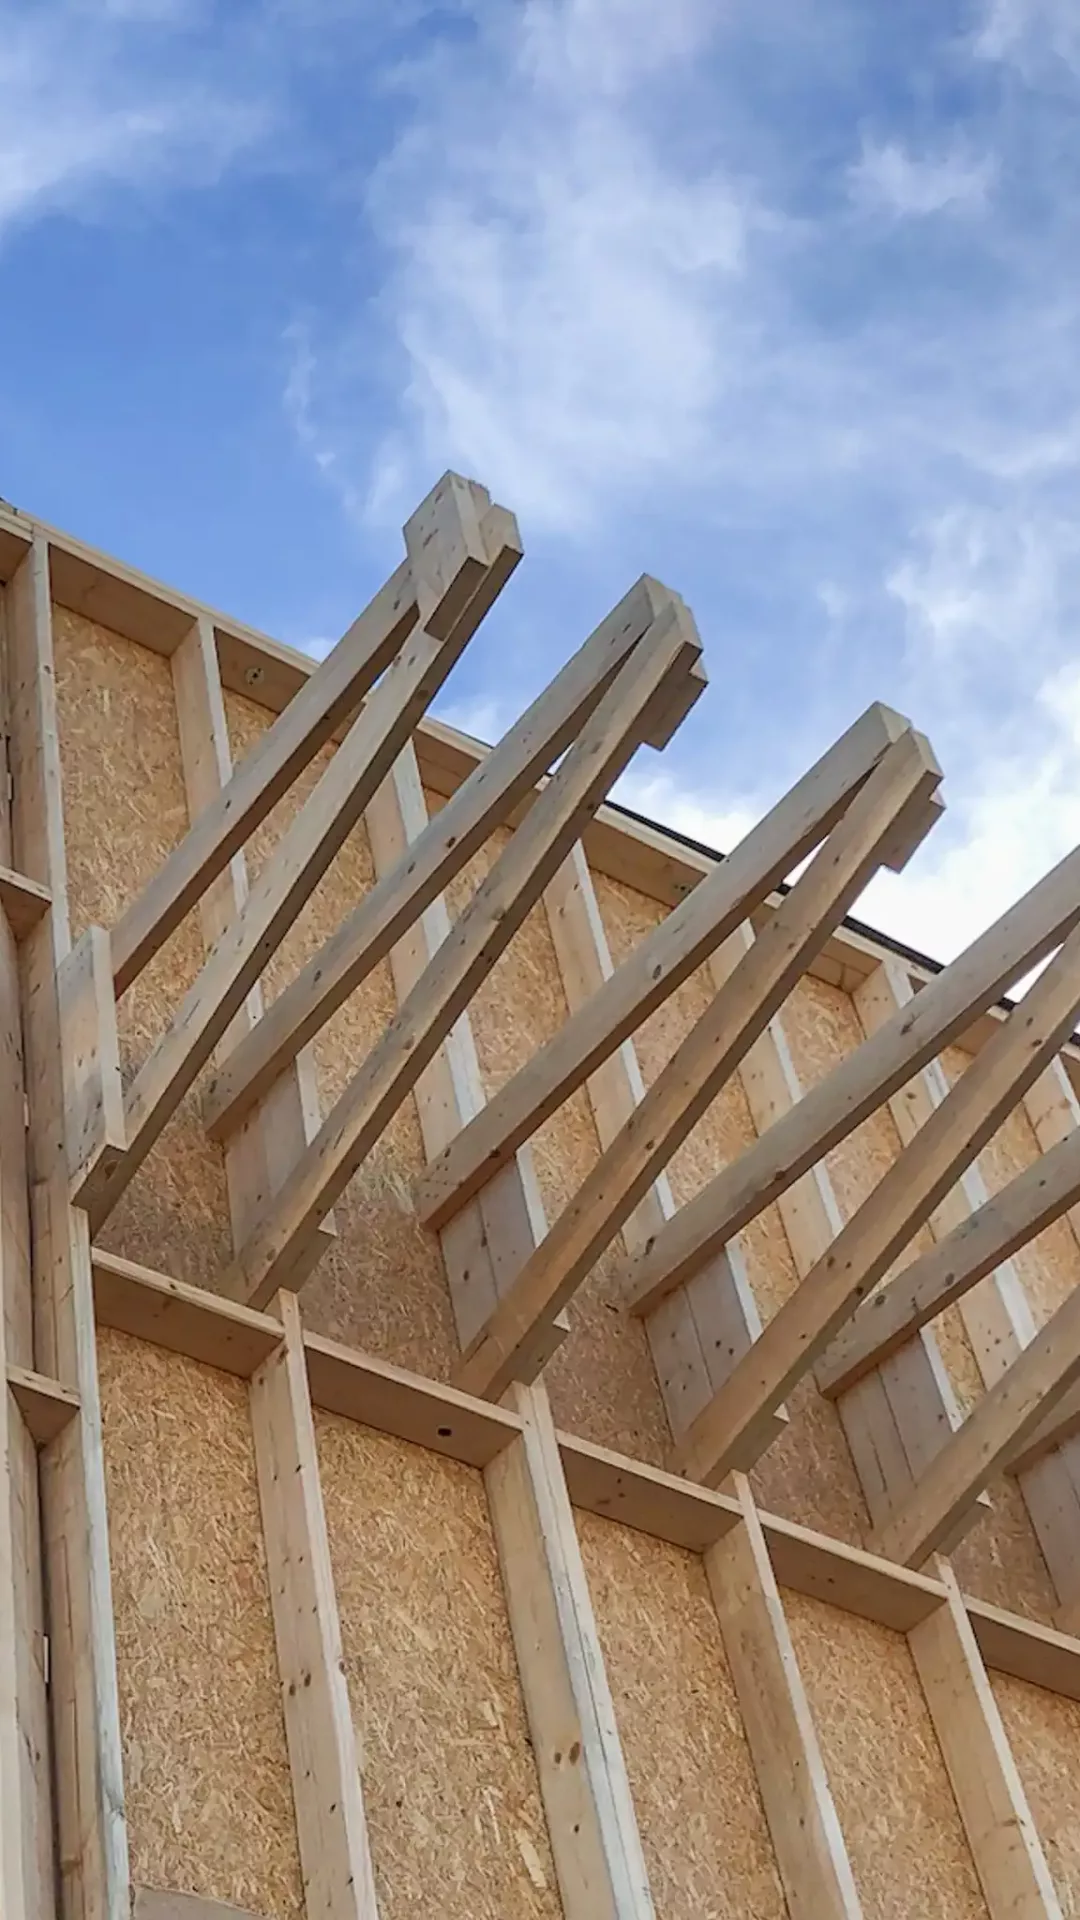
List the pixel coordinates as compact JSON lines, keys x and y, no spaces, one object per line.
{"x":331,"y":1829}
{"x":84,"y":1711}
{"x":582,"y":1773}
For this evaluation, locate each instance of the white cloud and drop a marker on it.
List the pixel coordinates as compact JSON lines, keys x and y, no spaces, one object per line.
{"x":87,"y":101}
{"x":888,"y":177}
{"x":1030,"y":33}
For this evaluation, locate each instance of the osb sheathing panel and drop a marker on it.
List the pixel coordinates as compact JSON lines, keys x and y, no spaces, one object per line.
{"x":1000,"y":1559}
{"x":453,"y":1805}
{"x":1049,"y":1265}
{"x":1044,"y":1732}
{"x":209,"y":1803}
{"x":702,"y":1825}
{"x":124,"y":811}
{"x":382,"y":1285}
{"x":602,"y":1381}
{"x":808,"y":1474}
{"x":888,"y":1780}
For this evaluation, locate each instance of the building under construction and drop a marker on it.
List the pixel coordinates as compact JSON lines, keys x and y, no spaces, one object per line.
{"x":543,"y":1366}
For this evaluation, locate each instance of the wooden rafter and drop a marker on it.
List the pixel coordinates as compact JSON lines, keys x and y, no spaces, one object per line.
{"x":307,"y":847}
{"x":730,"y":1432}
{"x":919,"y":1292}
{"x":446,"y":582}
{"x":510,"y":1345}
{"x":662,"y":661}
{"x":660,"y":964}
{"x":941,"y":1011}
{"x":499,"y":784}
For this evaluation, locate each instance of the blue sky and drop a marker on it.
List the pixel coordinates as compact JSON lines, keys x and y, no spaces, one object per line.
{"x":778,"y":302}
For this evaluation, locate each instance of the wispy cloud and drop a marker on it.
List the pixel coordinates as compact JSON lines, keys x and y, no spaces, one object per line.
{"x":888,"y":177}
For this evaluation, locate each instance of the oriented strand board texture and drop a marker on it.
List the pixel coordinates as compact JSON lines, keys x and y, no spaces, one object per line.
{"x":808,"y":1474}
{"x":907,"y":1847}
{"x":602,"y":1381}
{"x":456,"y":1823}
{"x":1044,"y":1733}
{"x":124,"y":811}
{"x":1000,"y":1559}
{"x":209,"y":1800}
{"x":382,"y":1286}
{"x":702,"y":1824}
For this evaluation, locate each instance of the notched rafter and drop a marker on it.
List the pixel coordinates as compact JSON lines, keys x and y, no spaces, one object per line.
{"x":510,"y":1345}
{"x":656,"y":669}
{"x":732,"y":1429}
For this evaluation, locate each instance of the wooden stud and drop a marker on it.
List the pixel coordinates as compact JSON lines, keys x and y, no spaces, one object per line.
{"x":448,"y":580}
{"x":946,"y":1007}
{"x":259,"y":1153}
{"x":580,"y":1766}
{"x":997,"y":1427}
{"x":986,"y":1784}
{"x":996,"y":1314}
{"x":974,"y":1248}
{"x":603,"y":747}
{"x":91,"y":1845}
{"x":94,"y":1122}
{"x":216,"y":1332}
{"x":659,"y":965}
{"x":335,"y":1858}
{"x":501,"y":782}
{"x":155,"y":1903}
{"x":507,"y":1347}
{"x":731,"y":1430}
{"x":806,"y":1835}
{"x":698,"y":1335}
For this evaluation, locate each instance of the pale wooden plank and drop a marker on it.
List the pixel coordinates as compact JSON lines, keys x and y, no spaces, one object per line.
{"x":182,"y":1318}
{"x":594,"y":1839}
{"x":1011,"y":1643}
{"x":445,"y":532}
{"x":944,"y":1010}
{"x":496,"y":786}
{"x":604,"y":746}
{"x":644,"y":1497}
{"x":659,"y":964}
{"x":506,"y":1347}
{"x":23,"y":901}
{"x":259,"y":1153}
{"x":406,"y":1405}
{"x":985,"y":1780}
{"x":91,"y":1844}
{"x":806,"y":1835}
{"x":94,"y":1123}
{"x":331,"y":1828}
{"x":1000,"y":1423}
{"x":730,"y":1431}
{"x":158,"y":1903}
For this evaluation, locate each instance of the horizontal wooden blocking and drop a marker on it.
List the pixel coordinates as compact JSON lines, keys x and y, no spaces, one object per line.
{"x":591,"y":1823}
{"x":446,"y":533}
{"x":46,"y":1405}
{"x":24,"y":902}
{"x":182,"y":1318}
{"x":158,"y":1903}
{"x":331,"y":1830}
{"x":506,"y":1347}
{"x":1001,"y":1833}
{"x":285,"y":883}
{"x":659,"y":965}
{"x":730,"y":1432}
{"x":603,"y":747}
{"x":809,"y":1846}
{"x":939,"y":1013}
{"x":1039,"y":1195}
{"x":696,"y":1342}
{"x":94,"y":1125}
{"x":442,"y":848}
{"x":995,"y":1430}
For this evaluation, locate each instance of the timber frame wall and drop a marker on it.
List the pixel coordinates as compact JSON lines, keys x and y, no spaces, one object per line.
{"x":292,"y":1623}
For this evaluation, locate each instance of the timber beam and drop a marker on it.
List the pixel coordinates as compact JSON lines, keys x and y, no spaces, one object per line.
{"x":510,"y":1345}
{"x":667,"y":957}
{"x":732,"y":1429}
